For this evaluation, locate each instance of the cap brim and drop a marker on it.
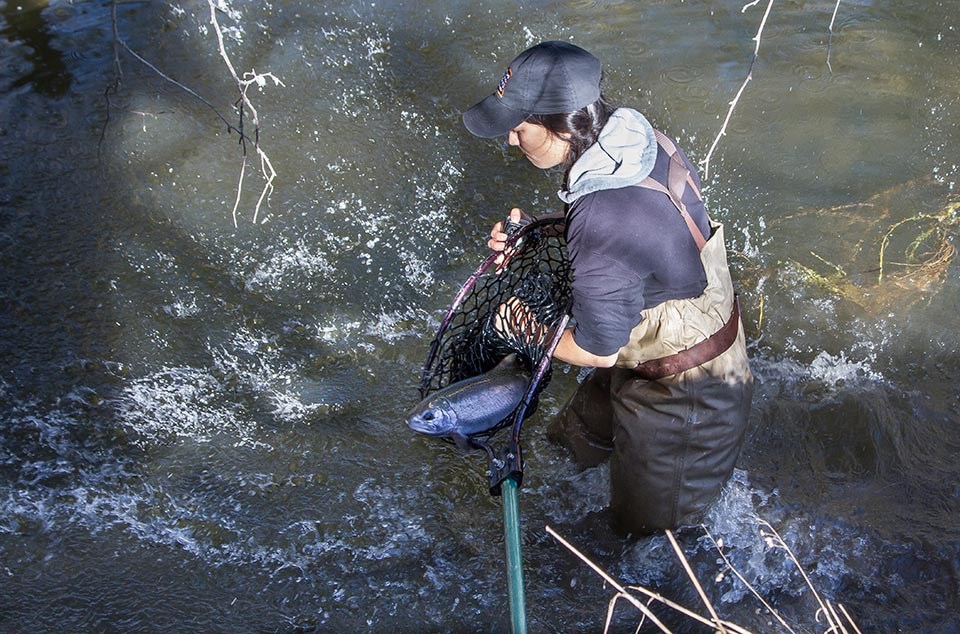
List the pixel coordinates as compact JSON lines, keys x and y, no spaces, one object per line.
{"x":490,"y":118}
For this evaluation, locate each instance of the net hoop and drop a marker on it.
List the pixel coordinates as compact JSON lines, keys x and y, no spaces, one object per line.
{"x":517,"y":303}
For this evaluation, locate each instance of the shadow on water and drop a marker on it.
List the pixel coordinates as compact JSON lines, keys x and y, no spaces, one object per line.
{"x":26,"y":26}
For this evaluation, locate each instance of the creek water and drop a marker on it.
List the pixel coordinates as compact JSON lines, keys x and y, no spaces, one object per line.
{"x":202,"y":420}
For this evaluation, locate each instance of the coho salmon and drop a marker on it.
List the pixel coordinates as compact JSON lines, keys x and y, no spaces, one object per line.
{"x":474,"y":405}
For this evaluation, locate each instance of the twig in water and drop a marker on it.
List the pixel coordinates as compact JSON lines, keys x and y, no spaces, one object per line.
{"x":830,"y":38}
{"x":760,"y":318}
{"x":773,"y":539}
{"x":834,"y":620}
{"x":849,"y":619}
{"x":696,"y":583}
{"x":733,"y":104}
{"x":611,"y":606}
{"x":117,"y":74}
{"x":613,"y":582}
{"x":745,"y":582}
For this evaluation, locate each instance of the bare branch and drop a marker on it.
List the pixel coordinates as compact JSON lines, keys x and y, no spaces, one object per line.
{"x":249,"y":78}
{"x":243,"y":104}
{"x":733,"y":104}
{"x":173,"y":81}
{"x":236,"y":202}
{"x":830,"y":39}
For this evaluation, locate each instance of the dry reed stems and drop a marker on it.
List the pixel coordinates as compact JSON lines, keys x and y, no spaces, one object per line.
{"x":622,"y":593}
{"x":696,"y":583}
{"x":826,"y":608}
{"x":838,"y":620}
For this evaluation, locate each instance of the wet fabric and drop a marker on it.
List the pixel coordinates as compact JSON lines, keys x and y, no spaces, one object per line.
{"x":672,"y":441}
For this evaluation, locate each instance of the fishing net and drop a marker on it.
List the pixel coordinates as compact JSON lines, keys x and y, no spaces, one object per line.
{"x":512,"y":306}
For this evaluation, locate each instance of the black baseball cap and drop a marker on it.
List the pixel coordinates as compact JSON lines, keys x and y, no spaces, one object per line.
{"x":549,"y":78}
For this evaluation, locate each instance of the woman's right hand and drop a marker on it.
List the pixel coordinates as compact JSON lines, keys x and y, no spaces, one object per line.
{"x":498,"y":237}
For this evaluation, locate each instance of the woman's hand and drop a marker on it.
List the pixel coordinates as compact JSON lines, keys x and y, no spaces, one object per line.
{"x":498,"y":237}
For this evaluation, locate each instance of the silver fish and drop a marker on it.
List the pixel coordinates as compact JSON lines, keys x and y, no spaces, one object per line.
{"x":474,"y":405}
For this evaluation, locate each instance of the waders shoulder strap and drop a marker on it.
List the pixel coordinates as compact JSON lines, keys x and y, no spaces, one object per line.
{"x":678,"y":177}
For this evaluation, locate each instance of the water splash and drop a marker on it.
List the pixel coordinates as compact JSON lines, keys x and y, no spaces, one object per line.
{"x":181,"y":402}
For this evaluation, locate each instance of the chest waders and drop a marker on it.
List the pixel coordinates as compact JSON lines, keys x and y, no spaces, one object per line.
{"x":673,"y":412}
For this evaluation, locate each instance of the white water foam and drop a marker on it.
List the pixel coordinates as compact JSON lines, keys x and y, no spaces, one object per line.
{"x":291,"y":263}
{"x":181,"y":402}
{"x":837,"y":370}
{"x":832,"y":372}
{"x":735,"y":524}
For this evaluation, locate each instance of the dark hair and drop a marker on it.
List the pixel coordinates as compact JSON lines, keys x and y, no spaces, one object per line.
{"x":581,"y":128}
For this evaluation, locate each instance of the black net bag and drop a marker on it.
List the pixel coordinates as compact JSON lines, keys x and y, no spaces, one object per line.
{"x":516,"y":305}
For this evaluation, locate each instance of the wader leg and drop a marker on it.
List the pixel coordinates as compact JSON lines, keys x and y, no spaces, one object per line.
{"x":584,"y":425}
{"x":652,"y":423}
{"x":676,"y":443}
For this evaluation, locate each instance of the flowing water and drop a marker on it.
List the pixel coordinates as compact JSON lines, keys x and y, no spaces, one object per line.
{"x":201,"y":420}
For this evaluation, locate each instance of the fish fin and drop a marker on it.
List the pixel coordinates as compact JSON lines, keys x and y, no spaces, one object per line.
{"x":462,"y":442}
{"x":509,"y":361}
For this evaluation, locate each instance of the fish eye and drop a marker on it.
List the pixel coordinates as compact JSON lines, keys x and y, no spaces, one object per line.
{"x":429,"y":415}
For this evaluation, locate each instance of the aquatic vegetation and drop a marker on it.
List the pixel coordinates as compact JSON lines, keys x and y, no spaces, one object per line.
{"x":883,"y":253}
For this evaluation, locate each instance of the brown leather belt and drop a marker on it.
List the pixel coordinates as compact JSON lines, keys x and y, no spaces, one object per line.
{"x":697,"y":354}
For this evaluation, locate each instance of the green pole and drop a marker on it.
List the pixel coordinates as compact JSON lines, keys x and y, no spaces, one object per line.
{"x":511,"y":531}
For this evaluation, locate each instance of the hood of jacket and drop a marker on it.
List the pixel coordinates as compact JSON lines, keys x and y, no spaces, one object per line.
{"x":623,"y":155}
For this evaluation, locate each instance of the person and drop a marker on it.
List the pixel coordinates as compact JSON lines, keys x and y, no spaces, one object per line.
{"x":653,"y":307}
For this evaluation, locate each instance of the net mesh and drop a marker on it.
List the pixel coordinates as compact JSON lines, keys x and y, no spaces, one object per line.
{"x":510,"y":307}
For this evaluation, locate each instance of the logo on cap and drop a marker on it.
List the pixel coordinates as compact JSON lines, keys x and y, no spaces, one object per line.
{"x":503,"y":82}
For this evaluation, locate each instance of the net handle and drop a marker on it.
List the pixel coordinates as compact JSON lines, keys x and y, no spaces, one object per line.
{"x":507,"y":464}
{"x":542,"y":369}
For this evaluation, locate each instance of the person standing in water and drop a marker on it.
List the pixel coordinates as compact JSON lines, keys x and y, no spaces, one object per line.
{"x":654,"y":310}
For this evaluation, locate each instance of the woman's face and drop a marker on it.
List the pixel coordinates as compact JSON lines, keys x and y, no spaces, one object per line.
{"x":541,"y":147}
